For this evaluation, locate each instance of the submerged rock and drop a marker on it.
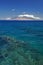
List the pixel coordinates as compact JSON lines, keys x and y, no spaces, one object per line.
{"x":16,"y":52}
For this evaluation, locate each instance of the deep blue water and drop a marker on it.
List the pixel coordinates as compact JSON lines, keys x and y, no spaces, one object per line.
{"x":28,"y":31}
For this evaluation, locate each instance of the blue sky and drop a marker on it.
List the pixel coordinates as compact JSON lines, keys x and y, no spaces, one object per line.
{"x":12,"y":8}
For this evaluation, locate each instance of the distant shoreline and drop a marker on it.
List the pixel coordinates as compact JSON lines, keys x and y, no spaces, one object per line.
{"x":22,"y":20}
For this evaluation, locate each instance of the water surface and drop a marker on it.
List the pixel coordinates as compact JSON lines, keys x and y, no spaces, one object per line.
{"x":29,"y":42}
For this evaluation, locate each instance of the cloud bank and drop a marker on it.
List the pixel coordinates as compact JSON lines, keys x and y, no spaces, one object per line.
{"x":28,"y":17}
{"x":23,"y":17}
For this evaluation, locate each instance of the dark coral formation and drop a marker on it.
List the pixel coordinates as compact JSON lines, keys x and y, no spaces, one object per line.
{"x":15,"y":52}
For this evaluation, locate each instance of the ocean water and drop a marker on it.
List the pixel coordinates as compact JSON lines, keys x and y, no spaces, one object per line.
{"x":21,"y":42}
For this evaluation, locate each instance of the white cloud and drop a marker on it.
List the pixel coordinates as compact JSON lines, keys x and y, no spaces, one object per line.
{"x":28,"y":16}
{"x":8,"y":18}
{"x":13,"y":9}
{"x":23,"y":16}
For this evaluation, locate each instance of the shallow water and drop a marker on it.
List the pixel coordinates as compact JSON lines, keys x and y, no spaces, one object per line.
{"x":23,"y":40}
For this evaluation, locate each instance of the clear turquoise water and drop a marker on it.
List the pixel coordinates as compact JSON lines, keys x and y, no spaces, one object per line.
{"x":31,"y":32}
